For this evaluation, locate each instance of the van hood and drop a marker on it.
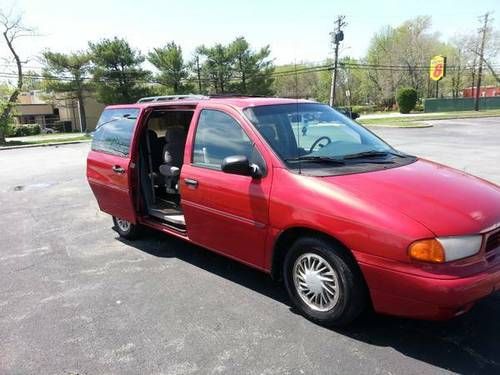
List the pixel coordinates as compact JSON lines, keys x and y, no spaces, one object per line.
{"x":445,"y":200}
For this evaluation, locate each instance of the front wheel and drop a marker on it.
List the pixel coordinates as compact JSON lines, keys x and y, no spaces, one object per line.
{"x":125,"y":228}
{"x":324,"y":282}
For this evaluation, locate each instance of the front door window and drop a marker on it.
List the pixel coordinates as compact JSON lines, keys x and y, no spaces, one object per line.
{"x":218,"y":136}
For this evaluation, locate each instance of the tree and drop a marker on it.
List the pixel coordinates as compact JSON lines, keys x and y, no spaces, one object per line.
{"x":252,"y":69}
{"x":67,"y":74}
{"x":235,"y":67}
{"x":5,"y":93}
{"x":32,"y":81}
{"x":295,"y":81}
{"x":491,"y":51}
{"x":462,"y":62}
{"x":195,"y":67}
{"x":414,"y":47}
{"x":12,"y":29}
{"x":400,"y":57}
{"x":117,"y":72}
{"x":170,"y":63}
{"x":494,"y":74}
{"x":217,"y":66}
{"x":353,"y":80}
{"x":383,"y":83}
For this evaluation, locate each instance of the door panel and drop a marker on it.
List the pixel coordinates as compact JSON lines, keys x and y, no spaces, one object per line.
{"x":227,"y":213}
{"x":108,"y":164}
{"x":108,"y":177}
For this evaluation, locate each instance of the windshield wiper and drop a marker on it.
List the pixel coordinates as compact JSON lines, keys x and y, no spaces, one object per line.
{"x":347,"y":158}
{"x":365,"y":154}
{"x":320,"y":159}
{"x":372,"y":154}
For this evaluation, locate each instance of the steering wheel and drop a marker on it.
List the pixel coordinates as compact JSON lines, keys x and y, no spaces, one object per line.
{"x":317,"y":141}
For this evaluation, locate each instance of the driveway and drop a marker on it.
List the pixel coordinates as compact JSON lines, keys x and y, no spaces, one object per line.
{"x":75,"y":299}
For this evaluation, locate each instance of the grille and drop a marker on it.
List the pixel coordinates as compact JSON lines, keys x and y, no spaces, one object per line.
{"x":493,"y":242}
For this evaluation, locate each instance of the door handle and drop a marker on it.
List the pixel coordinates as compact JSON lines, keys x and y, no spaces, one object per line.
{"x":190,"y":182}
{"x":118,"y":169}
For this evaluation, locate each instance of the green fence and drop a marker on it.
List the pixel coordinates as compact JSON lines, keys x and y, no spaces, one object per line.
{"x":460,"y":104}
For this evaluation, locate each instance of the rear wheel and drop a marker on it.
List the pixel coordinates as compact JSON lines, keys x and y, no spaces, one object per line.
{"x":324,"y":282}
{"x":125,"y":228}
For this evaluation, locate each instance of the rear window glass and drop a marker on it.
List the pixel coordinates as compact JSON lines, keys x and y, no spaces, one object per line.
{"x":114,"y":131}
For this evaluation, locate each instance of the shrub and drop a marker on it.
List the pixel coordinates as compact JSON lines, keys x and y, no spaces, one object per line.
{"x":419,"y":107}
{"x":35,"y":129}
{"x":364,"y":108}
{"x":10,"y":130}
{"x":407,"y":99}
{"x":23,"y":130}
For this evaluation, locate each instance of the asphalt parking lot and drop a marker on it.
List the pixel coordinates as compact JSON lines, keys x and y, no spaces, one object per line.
{"x":471,"y":145}
{"x":75,"y":299}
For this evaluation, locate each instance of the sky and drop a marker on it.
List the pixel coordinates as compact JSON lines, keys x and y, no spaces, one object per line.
{"x":297,"y":31}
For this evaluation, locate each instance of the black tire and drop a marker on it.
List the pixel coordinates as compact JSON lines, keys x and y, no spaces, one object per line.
{"x":352,"y":292}
{"x":130,"y":231}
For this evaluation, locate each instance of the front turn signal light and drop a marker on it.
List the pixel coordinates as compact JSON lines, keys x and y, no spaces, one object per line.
{"x":429,"y":250}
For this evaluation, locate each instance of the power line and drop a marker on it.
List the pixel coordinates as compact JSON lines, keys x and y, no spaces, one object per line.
{"x":313,"y":65}
{"x":304,"y":70}
{"x":234,"y":78}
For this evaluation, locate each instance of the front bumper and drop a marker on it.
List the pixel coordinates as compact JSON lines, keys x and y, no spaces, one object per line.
{"x":397,"y":293}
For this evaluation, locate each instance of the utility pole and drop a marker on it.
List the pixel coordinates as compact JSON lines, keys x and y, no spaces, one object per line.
{"x":198,"y":73}
{"x":337,"y":37}
{"x":483,"y":30}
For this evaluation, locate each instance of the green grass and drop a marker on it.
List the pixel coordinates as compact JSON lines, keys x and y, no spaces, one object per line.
{"x":47,"y":140}
{"x":418,"y":120}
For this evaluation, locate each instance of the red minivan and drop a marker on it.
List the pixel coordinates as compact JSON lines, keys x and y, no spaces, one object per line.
{"x":300,"y":191}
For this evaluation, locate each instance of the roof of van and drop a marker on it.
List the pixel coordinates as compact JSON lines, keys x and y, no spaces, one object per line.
{"x":234,"y":101}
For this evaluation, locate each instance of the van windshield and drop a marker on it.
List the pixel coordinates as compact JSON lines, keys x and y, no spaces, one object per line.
{"x":313,"y":132}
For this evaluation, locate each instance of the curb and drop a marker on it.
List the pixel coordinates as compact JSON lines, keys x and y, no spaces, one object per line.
{"x":400,"y":126}
{"x":3,"y":148}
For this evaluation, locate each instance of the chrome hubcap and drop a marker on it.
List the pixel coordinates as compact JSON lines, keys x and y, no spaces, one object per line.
{"x":123,"y":224}
{"x":316,"y":282}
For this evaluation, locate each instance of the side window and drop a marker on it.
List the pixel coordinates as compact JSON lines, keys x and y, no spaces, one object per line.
{"x":218,"y":136}
{"x":114,"y":131}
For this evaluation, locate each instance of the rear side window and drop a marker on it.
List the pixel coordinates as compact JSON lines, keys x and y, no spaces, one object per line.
{"x":114,"y":131}
{"x":217,"y":136}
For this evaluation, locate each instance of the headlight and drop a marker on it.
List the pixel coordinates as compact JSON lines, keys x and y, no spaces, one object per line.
{"x":460,"y":247}
{"x":445,"y":249}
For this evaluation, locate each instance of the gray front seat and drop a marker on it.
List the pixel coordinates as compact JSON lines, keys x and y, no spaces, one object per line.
{"x":173,"y":156}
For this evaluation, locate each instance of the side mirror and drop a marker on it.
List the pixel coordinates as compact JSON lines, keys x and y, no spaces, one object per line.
{"x":239,"y":164}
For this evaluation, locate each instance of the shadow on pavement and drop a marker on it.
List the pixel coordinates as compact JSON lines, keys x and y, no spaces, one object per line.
{"x":469,"y":344}
{"x":164,"y":246}
{"x":466,"y":345}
